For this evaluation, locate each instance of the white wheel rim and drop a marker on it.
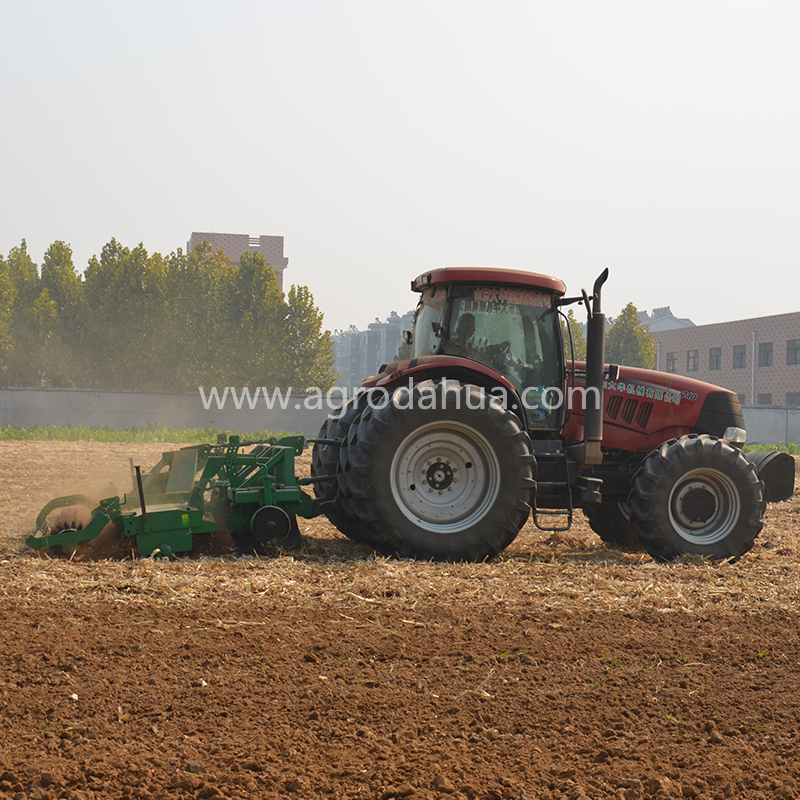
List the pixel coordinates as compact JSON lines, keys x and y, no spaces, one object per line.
{"x":445,"y":477}
{"x":704,"y":506}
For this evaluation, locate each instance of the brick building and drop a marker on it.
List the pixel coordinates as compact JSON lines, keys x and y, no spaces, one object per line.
{"x":235,"y":244}
{"x":759,"y":358}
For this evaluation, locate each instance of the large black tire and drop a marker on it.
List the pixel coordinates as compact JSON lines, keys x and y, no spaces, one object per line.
{"x":325,"y":461}
{"x":697,"y":495}
{"x":449,"y":482}
{"x":612,"y":523}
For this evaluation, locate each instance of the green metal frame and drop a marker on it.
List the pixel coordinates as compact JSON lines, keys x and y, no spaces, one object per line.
{"x":175,"y":497}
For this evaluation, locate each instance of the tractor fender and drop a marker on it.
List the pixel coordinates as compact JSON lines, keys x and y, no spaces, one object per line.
{"x":776,"y":471}
{"x":416,"y":370}
{"x":660,"y":436}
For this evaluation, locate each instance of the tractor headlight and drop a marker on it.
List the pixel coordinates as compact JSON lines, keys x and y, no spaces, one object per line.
{"x":735,"y":435}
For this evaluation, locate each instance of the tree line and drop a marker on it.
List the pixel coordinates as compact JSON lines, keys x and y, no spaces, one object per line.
{"x":628,"y":342}
{"x":148,"y":322}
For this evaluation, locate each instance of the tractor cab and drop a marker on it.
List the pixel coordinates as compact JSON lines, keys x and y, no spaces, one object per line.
{"x":504,"y":319}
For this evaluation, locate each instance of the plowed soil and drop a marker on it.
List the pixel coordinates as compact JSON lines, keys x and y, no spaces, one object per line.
{"x":561,"y":669}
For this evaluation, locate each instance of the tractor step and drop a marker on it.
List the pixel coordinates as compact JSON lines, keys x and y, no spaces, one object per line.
{"x":555,"y":489}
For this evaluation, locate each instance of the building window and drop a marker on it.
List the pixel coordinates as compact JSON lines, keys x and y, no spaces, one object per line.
{"x":793,"y":398}
{"x":670,"y":362}
{"x":715,"y":358}
{"x":739,"y":356}
{"x":765,"y":399}
{"x":765,"y":354}
{"x":692,"y":360}
{"x":793,"y":351}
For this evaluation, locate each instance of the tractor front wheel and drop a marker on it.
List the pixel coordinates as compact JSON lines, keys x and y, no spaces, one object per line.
{"x":697,"y":495}
{"x":439,"y":472}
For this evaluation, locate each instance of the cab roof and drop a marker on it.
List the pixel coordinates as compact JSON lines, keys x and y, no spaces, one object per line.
{"x":493,"y":275}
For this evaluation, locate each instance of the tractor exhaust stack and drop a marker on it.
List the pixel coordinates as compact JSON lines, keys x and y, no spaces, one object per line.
{"x":595,"y":363}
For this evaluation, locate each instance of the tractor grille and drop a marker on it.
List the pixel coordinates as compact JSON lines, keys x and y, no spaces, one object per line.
{"x":644,"y":414}
{"x":628,"y":409}
{"x":612,"y":406}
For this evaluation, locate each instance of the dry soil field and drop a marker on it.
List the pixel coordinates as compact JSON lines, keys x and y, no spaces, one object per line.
{"x":562,"y":669}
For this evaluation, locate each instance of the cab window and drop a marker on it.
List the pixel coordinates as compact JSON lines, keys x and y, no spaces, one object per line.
{"x":513,"y":331}
{"x":429,"y":320}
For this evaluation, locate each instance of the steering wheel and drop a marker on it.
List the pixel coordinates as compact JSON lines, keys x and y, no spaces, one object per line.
{"x":502,"y":349}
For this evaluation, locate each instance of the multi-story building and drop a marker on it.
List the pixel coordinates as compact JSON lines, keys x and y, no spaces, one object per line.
{"x":235,"y":244}
{"x":662,"y":319}
{"x":360,"y":353}
{"x":759,"y":358}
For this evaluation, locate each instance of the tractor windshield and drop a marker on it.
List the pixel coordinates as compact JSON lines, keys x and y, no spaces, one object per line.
{"x":514,"y":331}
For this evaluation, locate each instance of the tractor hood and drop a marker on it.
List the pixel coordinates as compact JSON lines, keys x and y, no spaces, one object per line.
{"x":642,"y":408}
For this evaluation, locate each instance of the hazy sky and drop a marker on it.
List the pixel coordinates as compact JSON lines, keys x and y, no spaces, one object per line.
{"x":382,"y":139}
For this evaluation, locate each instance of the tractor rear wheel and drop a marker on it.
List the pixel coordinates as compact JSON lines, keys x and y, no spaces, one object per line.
{"x":612,"y":523}
{"x":697,"y":495}
{"x":325,"y":461}
{"x":438,"y":472}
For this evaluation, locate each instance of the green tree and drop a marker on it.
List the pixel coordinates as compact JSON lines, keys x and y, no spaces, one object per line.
{"x":130,"y":345}
{"x":629,"y":342}
{"x":101,"y":336}
{"x":252,"y":314}
{"x":99,"y":273}
{"x":39,"y":350}
{"x":404,"y":352}
{"x":8,"y":293}
{"x":197,"y":319}
{"x":572,"y":326}
{"x":309,"y":347}
{"x":60,"y":279}
{"x":25,"y":274}
{"x":64,"y":288}
{"x":22,"y":356}
{"x":145,"y":322}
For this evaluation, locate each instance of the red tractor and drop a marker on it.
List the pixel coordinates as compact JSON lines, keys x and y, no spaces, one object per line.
{"x":445,"y":455}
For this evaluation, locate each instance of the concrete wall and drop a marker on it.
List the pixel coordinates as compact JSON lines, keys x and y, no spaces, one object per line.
{"x":772,"y":425}
{"x":21,"y":408}
{"x":27,"y":407}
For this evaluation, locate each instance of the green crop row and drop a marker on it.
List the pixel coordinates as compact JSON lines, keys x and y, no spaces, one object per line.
{"x":784,"y":447}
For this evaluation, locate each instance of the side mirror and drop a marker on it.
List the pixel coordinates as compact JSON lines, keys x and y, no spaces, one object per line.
{"x":408,"y":337}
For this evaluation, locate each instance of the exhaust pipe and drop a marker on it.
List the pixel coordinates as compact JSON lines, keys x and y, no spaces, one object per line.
{"x":595,"y":364}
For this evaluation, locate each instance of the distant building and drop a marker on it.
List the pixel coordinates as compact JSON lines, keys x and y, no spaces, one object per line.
{"x":359,"y":354}
{"x":758,"y":358}
{"x":235,"y":244}
{"x":662,"y":319}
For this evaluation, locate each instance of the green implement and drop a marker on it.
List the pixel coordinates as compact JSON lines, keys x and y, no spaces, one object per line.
{"x":253,"y":493}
